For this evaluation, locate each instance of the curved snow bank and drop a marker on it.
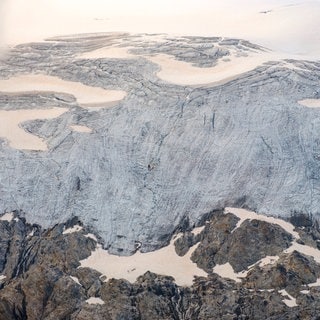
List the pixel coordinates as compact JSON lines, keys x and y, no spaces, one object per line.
{"x":183,"y":73}
{"x":86,"y":95}
{"x":18,"y":138}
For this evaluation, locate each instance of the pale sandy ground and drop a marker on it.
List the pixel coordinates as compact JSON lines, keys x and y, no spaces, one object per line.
{"x":85,"y":95}
{"x":78,"y":128}
{"x":311,"y":103}
{"x":18,"y":138}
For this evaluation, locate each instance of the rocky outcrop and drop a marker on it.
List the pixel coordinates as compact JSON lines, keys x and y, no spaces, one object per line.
{"x":49,"y":282}
{"x":291,"y":272}
{"x":166,"y":153}
{"x":241,"y":247}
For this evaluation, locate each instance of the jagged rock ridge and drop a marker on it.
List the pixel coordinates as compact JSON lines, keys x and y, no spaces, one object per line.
{"x":41,"y":276}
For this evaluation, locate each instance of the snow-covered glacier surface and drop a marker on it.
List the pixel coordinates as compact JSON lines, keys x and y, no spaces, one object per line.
{"x":166,"y":153}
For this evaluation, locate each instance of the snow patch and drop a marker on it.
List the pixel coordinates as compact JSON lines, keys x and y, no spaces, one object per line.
{"x":305,"y":291}
{"x":31,"y":234}
{"x":184,"y":73}
{"x":10,"y":126}
{"x":164,"y":261}
{"x":86,"y":95}
{"x":94,"y":300}
{"x":198,"y":230}
{"x":76,"y":280}
{"x":315,"y":284}
{"x":265,"y":290}
{"x":91,"y":236}
{"x":310,"y":103}
{"x":226,"y":271}
{"x":75,"y":228}
{"x":2,"y":277}
{"x":268,"y":260}
{"x":7,"y":217}
{"x":306,"y":250}
{"x":290,"y":301}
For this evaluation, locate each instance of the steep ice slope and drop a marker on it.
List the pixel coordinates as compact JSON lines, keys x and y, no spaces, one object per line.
{"x":167,"y":154}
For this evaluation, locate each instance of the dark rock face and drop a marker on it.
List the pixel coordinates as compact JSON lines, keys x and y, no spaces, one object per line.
{"x":48,"y":282}
{"x":215,"y":234}
{"x":166,"y":152}
{"x":251,"y":242}
{"x":290,"y":272}
{"x":241,"y":247}
{"x":43,"y":259}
